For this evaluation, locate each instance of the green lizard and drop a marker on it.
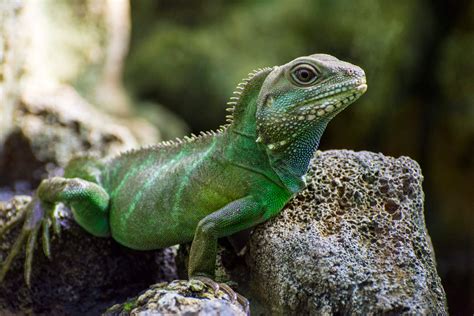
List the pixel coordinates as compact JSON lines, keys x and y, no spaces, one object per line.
{"x":203,"y":187}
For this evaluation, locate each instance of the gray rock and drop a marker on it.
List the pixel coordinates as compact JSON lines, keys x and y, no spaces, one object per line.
{"x":52,"y":128}
{"x":353,"y":242}
{"x":178,"y":298}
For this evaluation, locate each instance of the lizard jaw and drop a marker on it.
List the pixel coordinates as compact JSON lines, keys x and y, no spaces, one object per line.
{"x":362,"y":88}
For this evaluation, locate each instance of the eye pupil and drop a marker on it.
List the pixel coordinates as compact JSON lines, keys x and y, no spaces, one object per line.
{"x":304,"y":74}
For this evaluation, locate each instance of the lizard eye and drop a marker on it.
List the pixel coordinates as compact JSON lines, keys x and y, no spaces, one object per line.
{"x":304,"y":74}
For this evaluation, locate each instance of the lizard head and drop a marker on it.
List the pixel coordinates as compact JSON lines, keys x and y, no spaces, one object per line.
{"x":298,"y":99}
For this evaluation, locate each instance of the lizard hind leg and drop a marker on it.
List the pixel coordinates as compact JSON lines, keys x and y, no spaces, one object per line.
{"x":89,"y":202}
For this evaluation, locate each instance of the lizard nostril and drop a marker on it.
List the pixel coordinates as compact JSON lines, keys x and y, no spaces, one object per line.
{"x":355,"y":72}
{"x":351,"y":72}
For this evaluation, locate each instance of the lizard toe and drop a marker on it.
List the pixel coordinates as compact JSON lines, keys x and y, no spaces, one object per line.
{"x":208,"y":281}
{"x":244,"y":302}
{"x":233,"y":296}
{"x":35,"y":218}
{"x":13,"y":253}
{"x":229,"y":291}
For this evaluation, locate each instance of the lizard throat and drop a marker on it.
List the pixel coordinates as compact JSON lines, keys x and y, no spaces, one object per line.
{"x":292,"y":160}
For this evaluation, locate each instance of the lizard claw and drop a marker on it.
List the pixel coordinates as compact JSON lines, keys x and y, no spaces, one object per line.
{"x":244,"y":302}
{"x":229,"y":291}
{"x":234,"y":296}
{"x":35,"y":218}
{"x":209,"y":282}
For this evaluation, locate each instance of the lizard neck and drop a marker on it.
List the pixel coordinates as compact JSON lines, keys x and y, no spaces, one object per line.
{"x":292,"y":161}
{"x":241,"y":134}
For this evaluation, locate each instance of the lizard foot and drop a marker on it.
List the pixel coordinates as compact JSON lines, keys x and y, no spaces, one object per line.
{"x":234,"y":296}
{"x":35,"y":216}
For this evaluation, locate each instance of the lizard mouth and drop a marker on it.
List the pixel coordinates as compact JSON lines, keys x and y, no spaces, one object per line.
{"x":362,"y":88}
{"x":333,"y":100}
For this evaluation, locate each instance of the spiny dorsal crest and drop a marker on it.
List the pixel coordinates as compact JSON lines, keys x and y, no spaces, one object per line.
{"x":239,"y":90}
{"x":168,"y":144}
{"x":232,"y":103}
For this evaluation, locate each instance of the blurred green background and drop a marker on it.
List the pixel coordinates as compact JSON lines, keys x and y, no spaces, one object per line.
{"x":418,"y":57}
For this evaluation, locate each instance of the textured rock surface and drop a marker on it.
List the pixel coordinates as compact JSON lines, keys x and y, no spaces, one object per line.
{"x":86,"y":274}
{"x":353,"y":242}
{"x":52,"y":128}
{"x":178,"y":298}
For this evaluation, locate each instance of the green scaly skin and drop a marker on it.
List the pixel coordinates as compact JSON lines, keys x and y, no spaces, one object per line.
{"x":203,"y":187}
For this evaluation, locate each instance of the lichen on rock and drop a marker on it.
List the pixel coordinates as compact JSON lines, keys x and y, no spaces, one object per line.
{"x":178,"y":298}
{"x":353,"y":242}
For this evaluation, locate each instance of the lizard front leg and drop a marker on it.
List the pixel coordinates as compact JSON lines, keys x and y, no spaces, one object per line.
{"x":235,"y":216}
